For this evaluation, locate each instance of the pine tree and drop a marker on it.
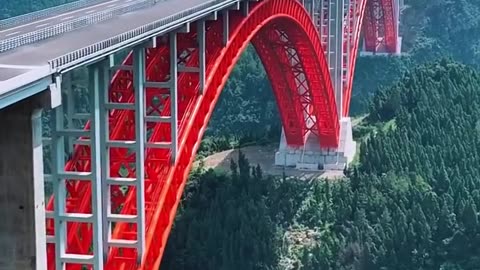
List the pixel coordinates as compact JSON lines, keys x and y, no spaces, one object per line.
{"x":470,"y":218}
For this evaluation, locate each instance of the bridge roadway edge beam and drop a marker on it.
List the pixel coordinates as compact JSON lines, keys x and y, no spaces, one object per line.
{"x":48,"y":83}
{"x":22,"y":198}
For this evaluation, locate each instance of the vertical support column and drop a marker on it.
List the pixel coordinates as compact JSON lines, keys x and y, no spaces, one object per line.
{"x":140,"y":136}
{"x":97,"y":82}
{"x":312,"y":9}
{"x":137,"y":145}
{"x":354,"y":7}
{"x":396,"y":14}
{"x":22,"y":199}
{"x":316,"y":14}
{"x":349,"y":12}
{"x":70,"y":106}
{"x":59,"y":189}
{"x":398,"y":5}
{"x":245,"y":8}
{"x":324,"y":26}
{"x":105,"y":152}
{"x":336,"y":49}
{"x":226,"y":23}
{"x":38,"y":190}
{"x":173,"y":93}
{"x":201,"y":54}
{"x":96,"y":89}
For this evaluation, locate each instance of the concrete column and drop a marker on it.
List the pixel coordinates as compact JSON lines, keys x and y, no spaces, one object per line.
{"x":22,"y":199}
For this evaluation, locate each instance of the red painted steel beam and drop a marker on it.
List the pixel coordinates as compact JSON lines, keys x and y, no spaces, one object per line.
{"x":271,"y":26}
{"x":359,"y":18}
{"x":390,"y":26}
{"x":380,"y":26}
{"x":377,"y":21}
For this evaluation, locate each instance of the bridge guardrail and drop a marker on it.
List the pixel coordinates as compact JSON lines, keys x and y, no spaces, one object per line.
{"x":25,"y":18}
{"x":83,"y":52}
{"x":65,"y":27}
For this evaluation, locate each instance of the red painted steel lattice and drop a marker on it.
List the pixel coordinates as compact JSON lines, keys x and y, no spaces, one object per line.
{"x":355,"y":17}
{"x":380,"y":26}
{"x":289,"y":46}
{"x":380,"y":32}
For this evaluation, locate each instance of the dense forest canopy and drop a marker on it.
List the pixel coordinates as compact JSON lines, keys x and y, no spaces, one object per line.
{"x":411,"y":202}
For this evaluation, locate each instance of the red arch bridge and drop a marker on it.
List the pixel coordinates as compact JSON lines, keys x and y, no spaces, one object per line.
{"x":118,"y":162}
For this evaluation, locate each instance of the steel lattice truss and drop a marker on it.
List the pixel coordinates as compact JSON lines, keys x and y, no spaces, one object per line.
{"x":145,"y":180}
{"x":380,"y":26}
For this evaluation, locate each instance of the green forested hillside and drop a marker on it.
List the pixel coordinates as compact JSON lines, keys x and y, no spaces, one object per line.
{"x":412,"y":203}
{"x":431,"y":29}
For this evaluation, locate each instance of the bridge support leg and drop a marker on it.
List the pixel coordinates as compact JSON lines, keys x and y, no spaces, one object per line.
{"x":73,"y":131}
{"x":22,"y":199}
{"x":139,"y":74}
{"x":335,"y":48}
{"x":311,"y":156}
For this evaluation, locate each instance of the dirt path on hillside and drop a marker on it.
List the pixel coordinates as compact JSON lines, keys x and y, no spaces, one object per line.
{"x":265,"y":156}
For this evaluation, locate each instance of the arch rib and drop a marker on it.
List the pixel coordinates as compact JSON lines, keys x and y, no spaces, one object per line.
{"x":376,"y":18}
{"x":358,"y":11}
{"x":280,"y":24}
{"x":292,"y":17}
{"x":380,"y":26}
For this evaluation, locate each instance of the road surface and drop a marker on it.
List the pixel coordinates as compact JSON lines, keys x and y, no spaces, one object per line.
{"x":18,"y":30}
{"x":28,"y":57}
{"x":25,"y":70}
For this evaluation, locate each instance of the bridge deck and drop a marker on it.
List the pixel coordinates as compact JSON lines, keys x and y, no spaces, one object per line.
{"x":17,"y":30}
{"x":17,"y":64}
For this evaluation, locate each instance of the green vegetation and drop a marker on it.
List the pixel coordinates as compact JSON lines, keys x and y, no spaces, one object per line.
{"x":412,"y":200}
{"x":410,"y":204}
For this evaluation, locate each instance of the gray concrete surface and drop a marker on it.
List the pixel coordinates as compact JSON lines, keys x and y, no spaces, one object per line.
{"x":9,"y":72}
{"x":60,"y":18}
{"x":40,"y":53}
{"x":22,"y":200}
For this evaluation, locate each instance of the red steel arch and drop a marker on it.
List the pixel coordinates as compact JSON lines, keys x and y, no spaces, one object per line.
{"x":356,"y":17}
{"x":380,"y":26}
{"x":289,"y":46}
{"x":376,"y":18}
{"x":271,"y":20}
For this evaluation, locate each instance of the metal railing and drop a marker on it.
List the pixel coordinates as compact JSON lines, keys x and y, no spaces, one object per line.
{"x":142,"y":30}
{"x":26,"y":18}
{"x":69,"y":26}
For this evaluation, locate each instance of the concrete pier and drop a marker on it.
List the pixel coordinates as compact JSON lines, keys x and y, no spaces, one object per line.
{"x":22,"y":200}
{"x":312,"y":157}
